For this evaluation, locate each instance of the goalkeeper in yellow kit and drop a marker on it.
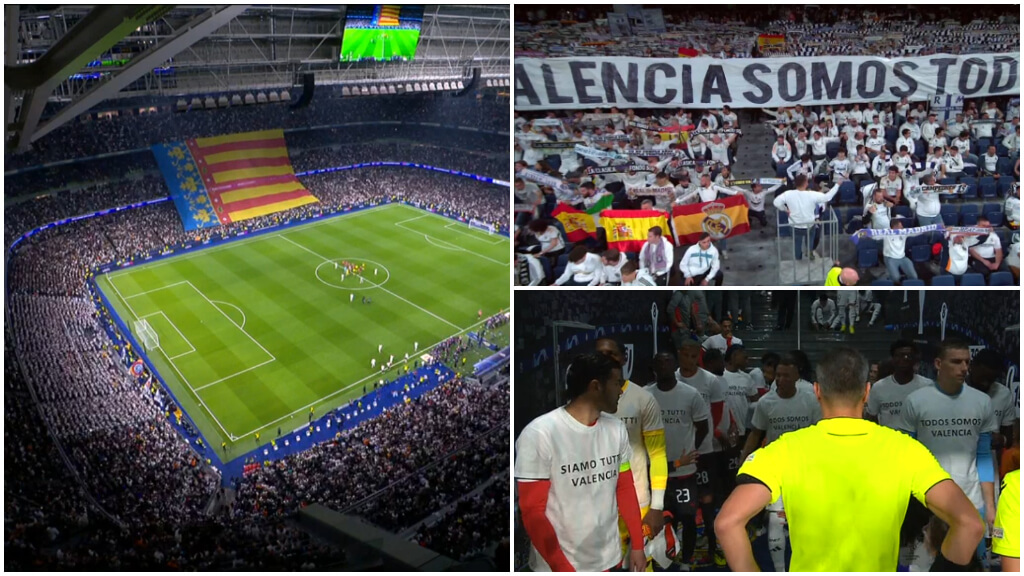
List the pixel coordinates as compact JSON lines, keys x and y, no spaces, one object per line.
{"x":639,"y":411}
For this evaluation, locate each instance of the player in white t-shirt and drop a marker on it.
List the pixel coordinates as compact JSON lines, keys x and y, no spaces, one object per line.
{"x":573,"y":475}
{"x":639,"y":411}
{"x":782,"y":410}
{"x":686,"y":418}
{"x":712,"y":390}
{"x":987,"y":252}
{"x":724,"y":340}
{"x":885,"y":402}
{"x":986,"y":367}
{"x":955,"y":422}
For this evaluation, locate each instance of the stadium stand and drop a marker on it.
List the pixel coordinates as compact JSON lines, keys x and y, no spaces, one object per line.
{"x":684,"y":143}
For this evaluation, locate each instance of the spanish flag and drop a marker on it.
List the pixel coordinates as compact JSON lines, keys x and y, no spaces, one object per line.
{"x":627,"y":229}
{"x":720,"y":218}
{"x":248,"y":174}
{"x":578,"y":224}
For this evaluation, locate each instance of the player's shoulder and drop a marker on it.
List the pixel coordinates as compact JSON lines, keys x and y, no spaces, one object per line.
{"x":1011,"y":483}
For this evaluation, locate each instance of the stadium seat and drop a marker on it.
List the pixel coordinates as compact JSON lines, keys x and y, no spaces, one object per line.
{"x":1002,"y":150}
{"x":986,"y":180}
{"x":991,"y":207}
{"x":987,"y":190}
{"x":882,"y":282}
{"x":972,"y":279}
{"x":912,"y":282}
{"x":1004,"y":186}
{"x":848,"y":193}
{"x":982,"y":146}
{"x":944,"y":280}
{"x":995,"y":217}
{"x":1004,"y":166}
{"x":921,"y":252}
{"x":903,"y":212}
{"x":969,"y":209}
{"x":950,"y":218}
{"x":1000,"y":279}
{"x":831,"y":149}
{"x":947,"y":181}
{"x":968,"y":219}
{"x":867,"y":257}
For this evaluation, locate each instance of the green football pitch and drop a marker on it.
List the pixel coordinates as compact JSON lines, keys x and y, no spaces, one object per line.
{"x":379,"y":44}
{"x":253,"y":333}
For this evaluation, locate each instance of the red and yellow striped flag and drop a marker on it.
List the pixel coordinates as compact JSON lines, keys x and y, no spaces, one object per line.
{"x":627,"y":229}
{"x":389,"y":15}
{"x":248,"y":174}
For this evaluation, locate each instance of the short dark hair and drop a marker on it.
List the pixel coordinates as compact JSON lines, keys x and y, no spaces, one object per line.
{"x":586,"y":368}
{"x":769,"y":359}
{"x":655,"y":229}
{"x":901,"y":343}
{"x":989,"y":358}
{"x":578,"y":252}
{"x":629,"y":267}
{"x":661,"y":175}
{"x":733,"y":350}
{"x":952,"y":344}
{"x":712,"y":355}
{"x":800,"y":180}
{"x":611,"y":254}
{"x":842,"y":374}
{"x":788,"y":360}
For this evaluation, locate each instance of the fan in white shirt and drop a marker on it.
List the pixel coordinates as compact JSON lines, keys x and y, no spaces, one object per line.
{"x":632,"y":275}
{"x":782,"y":152}
{"x":584,"y":268}
{"x":613,"y":261}
{"x":724,"y":340}
{"x":700,"y":264}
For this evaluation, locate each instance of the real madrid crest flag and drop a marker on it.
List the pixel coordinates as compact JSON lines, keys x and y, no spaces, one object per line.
{"x":720,"y":218}
{"x":627,"y":229}
{"x":138,"y":368}
{"x":577,"y":223}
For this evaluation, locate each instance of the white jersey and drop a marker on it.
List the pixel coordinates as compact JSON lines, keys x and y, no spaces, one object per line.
{"x":949,"y":427}
{"x":711,"y":389}
{"x":582,"y":462}
{"x":681,"y":407}
{"x":739,"y":386}
{"x":776,"y":415}
{"x":1003,"y":404}
{"x":885,"y":401}
{"x":719,"y":342}
{"x":639,"y":412}
{"x":801,"y":386}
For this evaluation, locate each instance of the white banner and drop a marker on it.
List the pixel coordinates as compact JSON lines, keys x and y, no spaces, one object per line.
{"x":588,"y":83}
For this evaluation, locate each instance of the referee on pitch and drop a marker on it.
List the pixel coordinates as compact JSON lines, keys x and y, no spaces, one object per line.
{"x":846,"y":483}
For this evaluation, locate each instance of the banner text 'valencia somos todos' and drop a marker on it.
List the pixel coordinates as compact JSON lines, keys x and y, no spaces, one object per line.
{"x":587,"y":83}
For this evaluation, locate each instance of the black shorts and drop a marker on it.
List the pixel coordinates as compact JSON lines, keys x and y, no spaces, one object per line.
{"x":682,"y":496}
{"x":731,"y":465}
{"x":914,"y":522}
{"x":709,"y":470}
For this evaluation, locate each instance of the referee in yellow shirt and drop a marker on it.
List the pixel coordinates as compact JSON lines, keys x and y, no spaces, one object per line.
{"x":1006,"y":535}
{"x":846,"y":483}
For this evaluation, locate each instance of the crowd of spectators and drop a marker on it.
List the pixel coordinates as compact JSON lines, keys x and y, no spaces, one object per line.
{"x":465,"y":530}
{"x":889,"y":31}
{"x":88,"y":137}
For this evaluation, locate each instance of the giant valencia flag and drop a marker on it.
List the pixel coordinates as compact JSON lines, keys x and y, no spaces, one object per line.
{"x":248,"y":174}
{"x":627,"y":229}
{"x":720,"y":218}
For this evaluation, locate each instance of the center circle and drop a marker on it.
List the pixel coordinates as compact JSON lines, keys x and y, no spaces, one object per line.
{"x":327,"y":274}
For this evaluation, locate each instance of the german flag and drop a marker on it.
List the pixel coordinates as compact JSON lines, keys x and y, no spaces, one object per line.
{"x":389,"y":15}
{"x":248,"y":174}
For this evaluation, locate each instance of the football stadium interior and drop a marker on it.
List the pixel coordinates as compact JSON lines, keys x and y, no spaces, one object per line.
{"x":256,"y":287}
{"x":742,"y":339}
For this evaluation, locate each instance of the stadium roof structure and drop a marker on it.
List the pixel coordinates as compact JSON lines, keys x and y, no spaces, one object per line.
{"x":72,"y":58}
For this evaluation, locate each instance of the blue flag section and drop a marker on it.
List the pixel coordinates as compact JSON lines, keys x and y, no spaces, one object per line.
{"x":187,"y":190}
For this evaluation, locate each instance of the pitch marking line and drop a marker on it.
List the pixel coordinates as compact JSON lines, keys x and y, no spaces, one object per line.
{"x":353,"y":385}
{"x":154,"y":290}
{"x":199,"y":399}
{"x":265,"y":351}
{"x":456,"y":227}
{"x":236,"y":308}
{"x":190,"y":345}
{"x":411,"y":219}
{"x":424,"y":310}
{"x":434,"y":241}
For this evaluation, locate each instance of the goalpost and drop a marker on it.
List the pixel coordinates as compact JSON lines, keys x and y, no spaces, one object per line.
{"x":481,"y":225}
{"x":147,"y":336}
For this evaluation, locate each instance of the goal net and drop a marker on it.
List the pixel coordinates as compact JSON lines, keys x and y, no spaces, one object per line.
{"x":147,"y":336}
{"x":481,"y":225}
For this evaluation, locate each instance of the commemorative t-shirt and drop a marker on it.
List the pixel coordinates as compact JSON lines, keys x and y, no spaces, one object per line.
{"x":885,"y":401}
{"x":739,"y":386}
{"x":583,"y":463}
{"x":711,"y":389}
{"x":1003,"y":404}
{"x":681,"y":407}
{"x":777,"y":415}
{"x":949,"y":426}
